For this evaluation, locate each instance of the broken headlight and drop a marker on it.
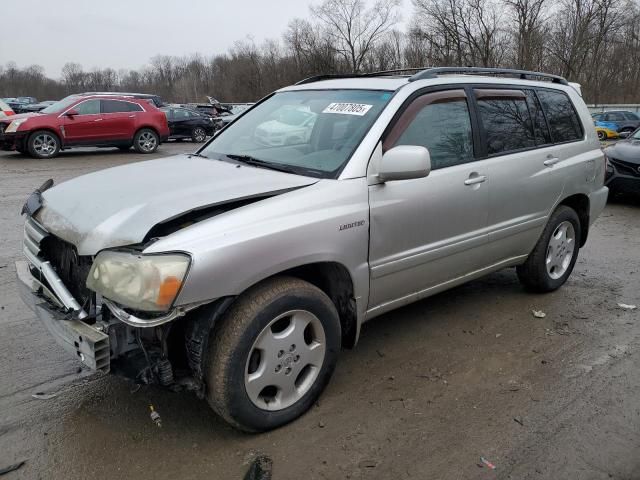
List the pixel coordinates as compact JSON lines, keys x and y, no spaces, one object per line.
{"x":142,"y":282}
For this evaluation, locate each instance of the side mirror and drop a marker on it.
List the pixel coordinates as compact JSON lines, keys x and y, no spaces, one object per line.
{"x":71,"y":113}
{"x":405,"y":162}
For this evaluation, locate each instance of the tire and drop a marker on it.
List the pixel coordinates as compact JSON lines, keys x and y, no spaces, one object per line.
{"x":554,"y":256}
{"x":198,"y":135}
{"x":262,"y":341}
{"x":146,"y":141}
{"x":43,"y":144}
{"x":602,"y":135}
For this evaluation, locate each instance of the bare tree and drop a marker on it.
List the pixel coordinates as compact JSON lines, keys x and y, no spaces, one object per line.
{"x":528,"y":32}
{"x":354,"y":29}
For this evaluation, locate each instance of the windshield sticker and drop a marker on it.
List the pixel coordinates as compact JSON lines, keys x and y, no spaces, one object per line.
{"x":359,"y":109}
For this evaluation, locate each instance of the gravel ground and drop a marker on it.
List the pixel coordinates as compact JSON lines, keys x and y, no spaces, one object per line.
{"x":429,"y":390}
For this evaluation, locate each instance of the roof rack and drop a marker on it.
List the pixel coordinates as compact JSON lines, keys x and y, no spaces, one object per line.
{"x":337,"y":76}
{"x":523,"y":74}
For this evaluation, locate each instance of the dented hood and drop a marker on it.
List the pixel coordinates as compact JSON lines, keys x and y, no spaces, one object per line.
{"x":119,"y":206}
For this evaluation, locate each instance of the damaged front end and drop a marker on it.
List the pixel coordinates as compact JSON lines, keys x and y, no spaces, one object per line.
{"x":147,"y":347}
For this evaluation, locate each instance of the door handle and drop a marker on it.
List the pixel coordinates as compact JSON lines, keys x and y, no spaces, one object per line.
{"x":475,"y":179}
{"x":98,"y":119}
{"x":551,"y":161}
{"x":132,"y":116}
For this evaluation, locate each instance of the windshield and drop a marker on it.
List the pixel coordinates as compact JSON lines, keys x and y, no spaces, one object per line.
{"x":311,"y":132}
{"x":58,"y":107}
{"x":636,"y":135}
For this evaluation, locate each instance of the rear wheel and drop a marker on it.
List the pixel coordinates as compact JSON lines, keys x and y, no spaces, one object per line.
{"x":198,"y":135}
{"x":43,"y":144}
{"x":272,"y":354}
{"x":554,"y":256}
{"x":146,"y":141}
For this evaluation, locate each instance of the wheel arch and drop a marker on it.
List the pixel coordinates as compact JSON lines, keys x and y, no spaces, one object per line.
{"x":52,"y":130}
{"x":580,"y":204}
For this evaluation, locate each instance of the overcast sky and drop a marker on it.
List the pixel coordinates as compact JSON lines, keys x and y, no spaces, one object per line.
{"x":127,"y":33}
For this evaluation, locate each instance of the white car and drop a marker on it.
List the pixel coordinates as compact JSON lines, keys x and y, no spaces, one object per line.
{"x":291,"y":127}
{"x":5,"y":110}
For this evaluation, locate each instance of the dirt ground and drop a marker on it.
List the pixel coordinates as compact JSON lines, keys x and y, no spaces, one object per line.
{"x":429,"y":390}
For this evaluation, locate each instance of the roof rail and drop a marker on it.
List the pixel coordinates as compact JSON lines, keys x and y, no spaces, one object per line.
{"x":523,"y":74}
{"x":337,"y":76}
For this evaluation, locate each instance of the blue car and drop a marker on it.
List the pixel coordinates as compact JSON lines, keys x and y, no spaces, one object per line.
{"x":622,"y":121}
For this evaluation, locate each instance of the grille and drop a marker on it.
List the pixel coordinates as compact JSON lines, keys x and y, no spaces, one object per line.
{"x":72,"y":268}
{"x":626,"y":168}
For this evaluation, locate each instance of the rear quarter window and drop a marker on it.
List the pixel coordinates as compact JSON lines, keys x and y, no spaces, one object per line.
{"x":561,"y":116}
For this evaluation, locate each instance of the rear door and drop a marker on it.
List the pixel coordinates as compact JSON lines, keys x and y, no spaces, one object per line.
{"x":529,"y":150}
{"x":182,"y":122}
{"x":83,"y":128}
{"x":119,"y":119}
{"x":428,"y":231}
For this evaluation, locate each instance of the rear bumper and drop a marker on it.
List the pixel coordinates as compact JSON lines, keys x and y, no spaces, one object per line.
{"x":597,"y":202}
{"x":88,"y":344}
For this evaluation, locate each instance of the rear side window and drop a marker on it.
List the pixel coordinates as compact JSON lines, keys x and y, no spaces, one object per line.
{"x":631,"y":116}
{"x":561,"y":116}
{"x":540,"y":129}
{"x":441,"y":123}
{"x":117,"y":106}
{"x":506,"y":120}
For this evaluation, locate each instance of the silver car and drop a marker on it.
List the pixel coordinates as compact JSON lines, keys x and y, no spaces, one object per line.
{"x":240,"y":272}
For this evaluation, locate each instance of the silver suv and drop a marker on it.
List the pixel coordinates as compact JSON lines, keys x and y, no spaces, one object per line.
{"x":239,"y":272}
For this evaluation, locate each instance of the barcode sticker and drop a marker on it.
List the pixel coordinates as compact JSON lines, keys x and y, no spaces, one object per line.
{"x":359,"y":109}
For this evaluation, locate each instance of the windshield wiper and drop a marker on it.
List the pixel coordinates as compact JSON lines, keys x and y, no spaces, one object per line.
{"x":197,"y":155}
{"x":249,"y":160}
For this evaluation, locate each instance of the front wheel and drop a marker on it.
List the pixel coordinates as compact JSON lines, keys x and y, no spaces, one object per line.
{"x":602,"y":136}
{"x":198,"y":135}
{"x":272,"y":354}
{"x":43,"y":144}
{"x":554,"y":256}
{"x":146,"y":141}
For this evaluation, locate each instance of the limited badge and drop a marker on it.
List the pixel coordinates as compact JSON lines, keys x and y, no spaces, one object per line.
{"x":359,"y":109}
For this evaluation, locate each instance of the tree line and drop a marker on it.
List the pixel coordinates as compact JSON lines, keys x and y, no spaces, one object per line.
{"x":593,"y":42}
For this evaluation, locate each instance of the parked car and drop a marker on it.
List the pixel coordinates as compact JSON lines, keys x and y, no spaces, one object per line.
{"x":288,"y":126}
{"x":185,"y":123}
{"x":605,"y":133}
{"x":239,"y":272}
{"x":36,"y":107}
{"x":18,"y":104}
{"x":5,"y":110}
{"x":156,"y":99}
{"x":86,"y":120}
{"x":623,"y":165}
{"x":625,"y":122}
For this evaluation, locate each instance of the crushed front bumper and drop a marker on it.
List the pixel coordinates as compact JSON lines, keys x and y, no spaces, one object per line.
{"x":43,"y":291}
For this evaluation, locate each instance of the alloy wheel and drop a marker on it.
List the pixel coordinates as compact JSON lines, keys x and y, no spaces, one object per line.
{"x":147,"y":141}
{"x":560,"y":250}
{"x":285,"y":360}
{"x":45,"y":145}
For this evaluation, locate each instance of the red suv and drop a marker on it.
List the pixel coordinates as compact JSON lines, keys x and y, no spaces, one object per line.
{"x":86,"y":120}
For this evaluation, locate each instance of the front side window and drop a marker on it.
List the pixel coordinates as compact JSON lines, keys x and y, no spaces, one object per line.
{"x":440,"y":122}
{"x":310,"y":132}
{"x":90,"y":107}
{"x":561,"y":116}
{"x":506,"y":120}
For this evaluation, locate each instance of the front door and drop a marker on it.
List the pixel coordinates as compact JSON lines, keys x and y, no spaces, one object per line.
{"x":427,"y":232}
{"x":84,"y":127}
